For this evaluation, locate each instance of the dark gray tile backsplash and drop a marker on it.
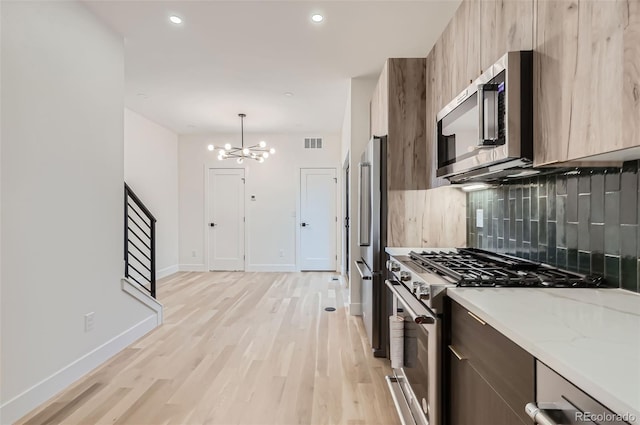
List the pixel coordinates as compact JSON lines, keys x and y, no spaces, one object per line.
{"x":584,"y":221}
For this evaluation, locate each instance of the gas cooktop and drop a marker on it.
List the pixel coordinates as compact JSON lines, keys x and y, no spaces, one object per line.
{"x":472,"y":267}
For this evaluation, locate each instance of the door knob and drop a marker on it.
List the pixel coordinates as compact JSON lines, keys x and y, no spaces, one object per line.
{"x":212,"y":224}
{"x":304,"y":224}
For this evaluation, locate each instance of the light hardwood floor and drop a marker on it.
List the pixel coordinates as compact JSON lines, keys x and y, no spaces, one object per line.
{"x":238,"y":348}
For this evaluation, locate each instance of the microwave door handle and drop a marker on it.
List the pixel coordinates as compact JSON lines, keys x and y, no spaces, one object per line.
{"x":481,"y":115}
{"x":483,"y":141}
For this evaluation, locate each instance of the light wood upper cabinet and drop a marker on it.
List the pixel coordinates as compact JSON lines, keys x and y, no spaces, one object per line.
{"x":434,"y":102}
{"x":465,"y":51}
{"x":380,"y":104}
{"x":586,"y":78}
{"x":398,"y":111}
{"x":507,"y":25}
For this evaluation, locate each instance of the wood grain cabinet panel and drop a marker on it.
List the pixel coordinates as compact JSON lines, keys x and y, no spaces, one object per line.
{"x":434,"y":100}
{"x":379,"y":105}
{"x":398,"y":112}
{"x":474,"y":401}
{"x":499,"y":365}
{"x":407,"y":148}
{"x":444,"y":60}
{"x":465,"y":50}
{"x":507,"y":25}
{"x":586,"y":78}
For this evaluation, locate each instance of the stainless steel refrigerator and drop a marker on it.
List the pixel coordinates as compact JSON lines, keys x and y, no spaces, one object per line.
{"x":372,"y":237}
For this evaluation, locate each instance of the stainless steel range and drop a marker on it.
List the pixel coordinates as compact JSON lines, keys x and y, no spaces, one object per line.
{"x":418,"y":282}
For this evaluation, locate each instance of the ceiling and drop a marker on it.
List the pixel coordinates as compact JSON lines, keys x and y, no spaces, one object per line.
{"x":238,"y":56}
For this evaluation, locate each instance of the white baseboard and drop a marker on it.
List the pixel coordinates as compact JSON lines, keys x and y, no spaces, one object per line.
{"x":192,"y":268}
{"x":271,"y":268}
{"x":167,"y":271}
{"x":33,"y":397}
{"x":355,"y":309}
{"x":144,"y":297}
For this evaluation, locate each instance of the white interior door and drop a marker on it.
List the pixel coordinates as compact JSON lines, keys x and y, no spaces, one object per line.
{"x":318,"y":219}
{"x":226,"y":219}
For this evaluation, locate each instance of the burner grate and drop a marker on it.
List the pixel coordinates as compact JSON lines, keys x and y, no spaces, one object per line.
{"x":470,"y":267}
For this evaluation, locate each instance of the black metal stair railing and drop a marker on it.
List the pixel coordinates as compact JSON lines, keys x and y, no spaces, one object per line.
{"x":139,"y":242}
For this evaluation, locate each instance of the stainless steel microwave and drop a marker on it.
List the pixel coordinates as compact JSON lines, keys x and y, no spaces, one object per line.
{"x":486,"y":132}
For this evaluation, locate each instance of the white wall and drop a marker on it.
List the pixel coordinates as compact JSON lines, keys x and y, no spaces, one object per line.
{"x":358,"y":136}
{"x":151,"y":170}
{"x":62,"y":201}
{"x":271,"y":219}
{"x":345,"y":144}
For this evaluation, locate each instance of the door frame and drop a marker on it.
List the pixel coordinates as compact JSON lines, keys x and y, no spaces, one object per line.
{"x":346,"y":217}
{"x":207,"y":259}
{"x":299,"y":211}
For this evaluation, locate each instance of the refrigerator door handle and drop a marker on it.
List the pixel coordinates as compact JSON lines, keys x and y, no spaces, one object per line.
{"x":361,"y":267}
{"x":364,"y":231}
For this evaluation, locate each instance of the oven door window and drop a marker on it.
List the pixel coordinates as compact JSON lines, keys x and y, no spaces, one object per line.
{"x":414,"y":373}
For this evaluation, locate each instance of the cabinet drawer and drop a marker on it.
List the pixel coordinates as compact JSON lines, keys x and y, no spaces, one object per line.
{"x":504,"y":365}
{"x":474,"y":402}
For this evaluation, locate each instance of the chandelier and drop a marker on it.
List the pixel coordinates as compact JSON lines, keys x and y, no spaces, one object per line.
{"x":258,"y":152}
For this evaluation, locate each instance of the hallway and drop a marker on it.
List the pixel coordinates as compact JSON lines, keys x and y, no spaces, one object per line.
{"x":238,"y":348}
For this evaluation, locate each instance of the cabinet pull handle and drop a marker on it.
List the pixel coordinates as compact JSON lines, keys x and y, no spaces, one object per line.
{"x":538,"y":415}
{"x":482,"y":322}
{"x":455,"y":353}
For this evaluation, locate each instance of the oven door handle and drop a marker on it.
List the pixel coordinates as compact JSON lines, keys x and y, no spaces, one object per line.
{"x":418,"y":313}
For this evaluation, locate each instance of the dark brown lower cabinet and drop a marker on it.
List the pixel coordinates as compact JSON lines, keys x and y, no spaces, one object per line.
{"x":490,"y":378}
{"x":473,"y":401}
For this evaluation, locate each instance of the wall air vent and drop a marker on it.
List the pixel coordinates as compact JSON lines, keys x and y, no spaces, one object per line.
{"x":313,"y":143}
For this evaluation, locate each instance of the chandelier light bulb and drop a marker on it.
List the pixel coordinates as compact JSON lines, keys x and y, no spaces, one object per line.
{"x":257,"y":152}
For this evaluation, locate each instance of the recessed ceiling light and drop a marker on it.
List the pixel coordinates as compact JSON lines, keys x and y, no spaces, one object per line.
{"x":175,"y":19}
{"x":288,"y":94}
{"x":317,"y":18}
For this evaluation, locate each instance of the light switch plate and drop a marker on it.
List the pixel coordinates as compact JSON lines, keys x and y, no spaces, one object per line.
{"x":479,"y":217}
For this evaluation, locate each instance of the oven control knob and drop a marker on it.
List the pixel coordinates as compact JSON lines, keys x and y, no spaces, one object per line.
{"x":393,"y":266}
{"x":424,"y":293}
{"x":416,"y":287}
{"x":405,"y":276}
{"x":424,"y":320}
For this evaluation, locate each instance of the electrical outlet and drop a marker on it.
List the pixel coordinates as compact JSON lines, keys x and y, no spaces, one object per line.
{"x":89,"y":321}
{"x":479,"y":217}
{"x":282,"y":252}
{"x":193,"y":253}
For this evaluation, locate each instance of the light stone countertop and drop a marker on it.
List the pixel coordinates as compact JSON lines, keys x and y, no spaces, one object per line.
{"x":589,"y":336}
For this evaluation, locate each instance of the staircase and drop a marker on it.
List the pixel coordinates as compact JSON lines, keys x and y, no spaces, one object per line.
{"x":139,"y":242}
